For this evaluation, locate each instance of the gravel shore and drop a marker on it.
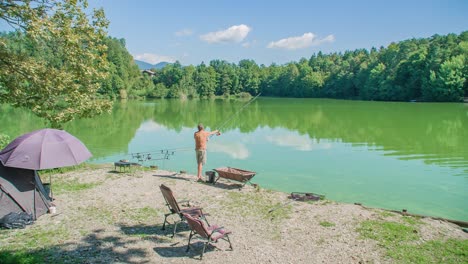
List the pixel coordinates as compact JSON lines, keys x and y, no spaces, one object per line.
{"x":119,"y":220}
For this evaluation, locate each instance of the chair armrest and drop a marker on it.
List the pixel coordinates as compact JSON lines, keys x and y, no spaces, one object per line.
{"x":217,"y":229}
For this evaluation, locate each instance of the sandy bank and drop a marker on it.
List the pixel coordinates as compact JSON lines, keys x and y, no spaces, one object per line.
{"x":119,"y":218}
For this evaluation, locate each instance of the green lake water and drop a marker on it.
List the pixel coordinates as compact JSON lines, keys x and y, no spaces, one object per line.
{"x":410,"y":156}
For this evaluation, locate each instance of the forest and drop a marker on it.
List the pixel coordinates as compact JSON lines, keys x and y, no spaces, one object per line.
{"x":426,"y":69}
{"x":59,"y":62}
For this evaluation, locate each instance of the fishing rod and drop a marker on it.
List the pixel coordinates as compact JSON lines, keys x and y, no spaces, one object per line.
{"x":142,"y":156}
{"x":238,"y":111}
{"x":166,"y":152}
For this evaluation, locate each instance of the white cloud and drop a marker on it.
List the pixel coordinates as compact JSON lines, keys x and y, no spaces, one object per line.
{"x":232,"y":34}
{"x":150,"y":126}
{"x":298,"y":142}
{"x":184,"y":32}
{"x":235,"y":150}
{"x":301,"y":42}
{"x":153,"y":58}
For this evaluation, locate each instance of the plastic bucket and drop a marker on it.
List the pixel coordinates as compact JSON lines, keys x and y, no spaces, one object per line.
{"x":210,"y":176}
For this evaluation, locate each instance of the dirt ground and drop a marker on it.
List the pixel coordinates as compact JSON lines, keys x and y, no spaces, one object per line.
{"x":119,"y":220}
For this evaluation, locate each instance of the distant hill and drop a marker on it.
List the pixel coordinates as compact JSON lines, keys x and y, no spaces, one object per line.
{"x":146,"y":66}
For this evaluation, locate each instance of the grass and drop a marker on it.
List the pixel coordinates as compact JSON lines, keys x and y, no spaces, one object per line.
{"x":257,"y":204}
{"x":62,"y":184}
{"x":71,"y":185}
{"x":115,"y":215}
{"x":326,"y":224}
{"x":69,"y":169}
{"x":386,"y":214}
{"x":20,"y":257}
{"x":34,"y":244}
{"x":404,"y":245}
{"x":30,"y":245}
{"x":145,"y":214}
{"x":33,"y":237}
{"x":412,"y":220}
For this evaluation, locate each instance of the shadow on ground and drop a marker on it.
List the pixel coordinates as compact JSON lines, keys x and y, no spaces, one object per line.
{"x":172,"y":176}
{"x":94,"y":248}
{"x":180,"y":250}
{"x":97,"y":247}
{"x":155,"y":232}
{"x":226,"y":185}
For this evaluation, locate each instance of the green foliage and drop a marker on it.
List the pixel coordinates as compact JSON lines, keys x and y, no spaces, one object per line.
{"x":404,"y":245}
{"x":123,"y":73}
{"x":55,"y":61}
{"x":4,"y":140}
{"x":448,"y":83}
{"x":431,"y":69}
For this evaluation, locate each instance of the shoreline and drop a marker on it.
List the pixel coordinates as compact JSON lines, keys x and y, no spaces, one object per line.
{"x":109,"y":217}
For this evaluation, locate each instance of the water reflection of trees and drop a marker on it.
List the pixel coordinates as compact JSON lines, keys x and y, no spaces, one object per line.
{"x":110,"y":134}
{"x":435,"y":133}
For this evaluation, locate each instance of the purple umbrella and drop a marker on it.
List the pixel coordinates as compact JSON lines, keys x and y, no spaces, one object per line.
{"x":44,"y":149}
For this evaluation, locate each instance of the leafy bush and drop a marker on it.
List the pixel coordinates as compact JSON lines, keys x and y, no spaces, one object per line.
{"x":4,"y":140}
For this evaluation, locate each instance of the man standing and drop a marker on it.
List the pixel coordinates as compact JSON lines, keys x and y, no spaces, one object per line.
{"x":201,"y":137}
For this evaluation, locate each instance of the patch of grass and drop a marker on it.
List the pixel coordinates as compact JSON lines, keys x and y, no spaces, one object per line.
{"x":412,"y":220}
{"x":144,"y":168}
{"x":98,"y":214}
{"x":325,"y":202}
{"x":436,"y":251}
{"x":114,"y":215}
{"x":259,"y":204}
{"x":69,"y":168}
{"x":256,"y":204}
{"x":321,"y":241}
{"x":114,"y":176}
{"x":326,"y":224}
{"x":386,"y":214}
{"x":20,"y":257}
{"x":403,"y":244}
{"x":73,"y":185}
{"x":144,"y":214}
{"x":387,"y":233}
{"x":30,"y":245}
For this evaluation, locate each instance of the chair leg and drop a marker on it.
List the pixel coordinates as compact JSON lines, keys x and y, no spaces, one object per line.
{"x":230,"y":245}
{"x":175,"y":228}
{"x":190,"y":238}
{"x":204,"y":247}
{"x":164,"y":224}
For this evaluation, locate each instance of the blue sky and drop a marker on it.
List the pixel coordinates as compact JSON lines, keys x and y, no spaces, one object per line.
{"x":272,"y":31}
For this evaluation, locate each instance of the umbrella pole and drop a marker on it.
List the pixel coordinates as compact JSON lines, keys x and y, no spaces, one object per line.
{"x":34,"y":201}
{"x":50,"y":187}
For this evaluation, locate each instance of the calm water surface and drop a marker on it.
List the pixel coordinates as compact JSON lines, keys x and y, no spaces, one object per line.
{"x":410,"y":156}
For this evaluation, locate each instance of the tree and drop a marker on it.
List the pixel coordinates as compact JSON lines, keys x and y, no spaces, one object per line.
{"x":123,"y":73}
{"x":447,"y":84}
{"x":205,"y":79}
{"x":58,"y":61}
